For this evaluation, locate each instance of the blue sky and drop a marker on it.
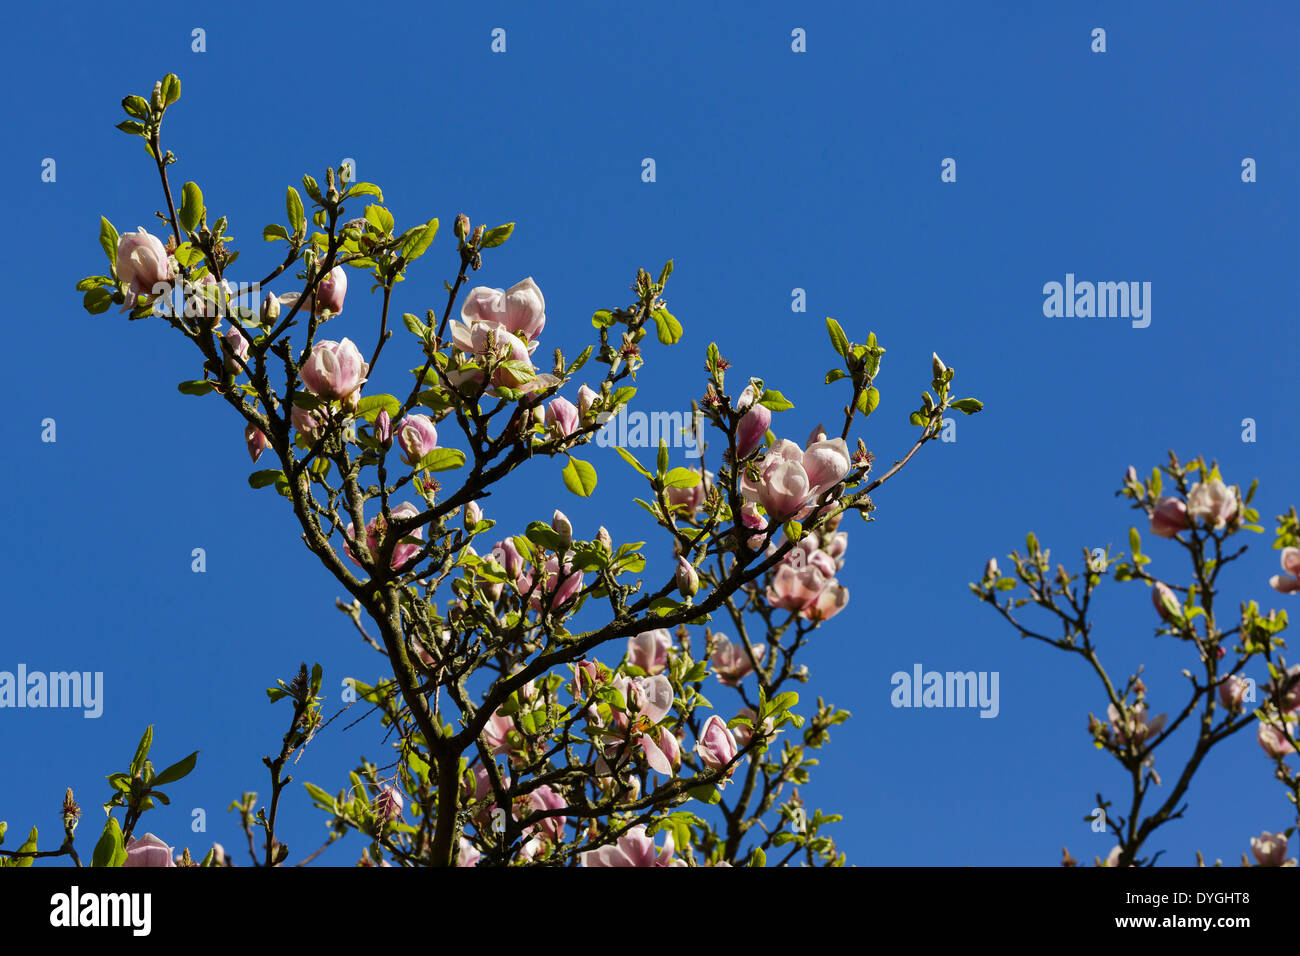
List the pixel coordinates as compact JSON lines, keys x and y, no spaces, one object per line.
{"x":775,"y":170}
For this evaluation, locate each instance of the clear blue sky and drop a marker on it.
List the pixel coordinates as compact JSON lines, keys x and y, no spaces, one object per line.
{"x":775,"y":170}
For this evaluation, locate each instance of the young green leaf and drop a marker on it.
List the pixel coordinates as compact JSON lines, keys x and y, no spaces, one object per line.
{"x":579,"y":477}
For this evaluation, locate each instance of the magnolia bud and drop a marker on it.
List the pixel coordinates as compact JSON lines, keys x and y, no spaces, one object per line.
{"x":270,"y":309}
{"x":462,"y":226}
{"x":255,"y":440}
{"x":477,"y":237}
{"x":991,"y":572}
{"x":936,"y":364}
{"x":561,"y":525}
{"x":473,"y":515}
{"x":384,"y":429}
{"x":688,"y":581}
{"x":388,"y":804}
{"x":604,"y":540}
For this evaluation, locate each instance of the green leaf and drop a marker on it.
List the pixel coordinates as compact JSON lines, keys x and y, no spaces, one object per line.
{"x":132,"y":127}
{"x":275,"y":231}
{"x":97,"y":300}
{"x":260,"y":479}
{"x":201,"y":387}
{"x":108,"y":240}
{"x":681,"y":478}
{"x":775,"y":401}
{"x":419,"y":242}
{"x":666,"y":324}
{"x":665,"y":272}
{"x":293,"y":206}
{"x":136,"y":106}
{"x":758,"y":857}
{"x":171,"y":89}
{"x":631,"y":460}
{"x":838,"y":339}
{"x":28,"y":846}
{"x":442,"y":459}
{"x":380,"y":218}
{"x":191,"y":207}
{"x":364,"y":189}
{"x":602,"y":319}
{"x":370,"y":406}
{"x":1134,"y":542}
{"x":917,"y":418}
{"x":176,"y":771}
{"x":869,"y":400}
{"x":313,"y":190}
{"x":495,"y":237}
{"x":579,"y":477}
{"x":142,"y":751}
{"x":707,"y":793}
{"x":968,"y":406}
{"x":109,"y":851}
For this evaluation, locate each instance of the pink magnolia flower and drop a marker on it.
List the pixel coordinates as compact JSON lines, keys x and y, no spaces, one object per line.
{"x":648,"y":697}
{"x":375,"y":528}
{"x":753,"y":424}
{"x":383,"y":430}
{"x":545,"y":798}
{"x":142,"y":262}
{"x":789,"y":477}
{"x":466,"y":854}
{"x":233,"y":343}
{"x":485,"y":341}
{"x":1132,"y":729}
{"x":687,"y":578}
{"x":716,"y":747}
{"x":1165,"y":601}
{"x":507,"y":555}
{"x":829,"y":602}
{"x":521,"y":308}
{"x":148,"y":850}
{"x":1232,"y":693}
{"x":417,"y":436}
{"x":689,"y":500}
{"x":388,"y":804}
{"x":633,"y":848}
{"x":563,"y":416}
{"x":745,"y":734}
{"x":1269,"y":849}
{"x":586,"y":675}
{"x":562,"y":527}
{"x":255,"y":441}
{"x":556,"y":584}
{"x":306,"y":423}
{"x":1213,"y":502}
{"x":731,"y":664}
{"x":497,"y":732}
{"x":334,"y":369}
{"x":663,"y":755}
{"x":587,"y":398}
{"x":330,"y":292}
{"x":1169,"y":517}
{"x":750,"y":518}
{"x":1290,"y":582}
{"x":839,"y":544}
{"x":649,"y":650}
{"x":1274,"y":741}
{"x":1287,"y":689}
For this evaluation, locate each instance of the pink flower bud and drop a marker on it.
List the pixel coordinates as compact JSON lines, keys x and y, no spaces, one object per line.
{"x":1232,"y":693}
{"x":1286,"y":689}
{"x":690,"y":500}
{"x":384,"y":429}
{"x":991,"y":571}
{"x":388,"y":804}
{"x":1165,"y":601}
{"x":417,"y":436}
{"x":562,"y":416}
{"x":1273,"y":741}
{"x":255,"y":441}
{"x":561,"y":525}
{"x":148,"y":850}
{"x":473,"y":515}
{"x":604,"y":540}
{"x":507,"y":555}
{"x":753,"y":424}
{"x":330,"y":292}
{"x":688,"y":581}
{"x":716,"y":747}
{"x":232,"y":344}
{"x":731,"y":664}
{"x":1290,"y":582}
{"x":375,"y":533}
{"x":142,"y":262}
{"x":587,"y":398}
{"x":307,"y":424}
{"x":663,"y":755}
{"x":649,"y":650}
{"x":1169,"y":517}
{"x":270,"y":310}
{"x":334,"y":369}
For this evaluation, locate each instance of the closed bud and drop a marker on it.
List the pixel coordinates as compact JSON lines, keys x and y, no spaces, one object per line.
{"x":688,"y":581}
{"x":473,"y":515}
{"x":384,"y":429}
{"x":270,"y":308}
{"x":462,"y":226}
{"x":936,"y":364}
{"x":604,"y":540}
{"x":255,"y":441}
{"x":561,"y":525}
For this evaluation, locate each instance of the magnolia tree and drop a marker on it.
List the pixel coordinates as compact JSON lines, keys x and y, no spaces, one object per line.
{"x":1200,"y":519}
{"x":543,"y":691}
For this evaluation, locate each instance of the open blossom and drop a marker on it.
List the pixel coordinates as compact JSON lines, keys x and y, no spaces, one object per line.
{"x":330,"y":292}
{"x":805,"y":581}
{"x":1288,"y":583}
{"x":662,"y":751}
{"x":648,"y":697}
{"x":731,"y":664}
{"x":545,"y":798}
{"x":1168,"y":517}
{"x":753,"y":423}
{"x":148,"y":850}
{"x":417,"y":436}
{"x":466,"y":854}
{"x":334,"y":369}
{"x":1133,"y":729}
{"x":307,"y":423}
{"x":1269,"y":849}
{"x":485,"y":341}
{"x":255,"y":441}
{"x":1274,"y":741}
{"x":649,"y":650}
{"x":789,"y":477}
{"x":1213,"y":502}
{"x":374,"y":534}
{"x":689,"y":500}
{"x":563,"y":416}
{"x":521,"y":308}
{"x":716,"y":746}
{"x":633,"y":848}
{"x":142,"y":262}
